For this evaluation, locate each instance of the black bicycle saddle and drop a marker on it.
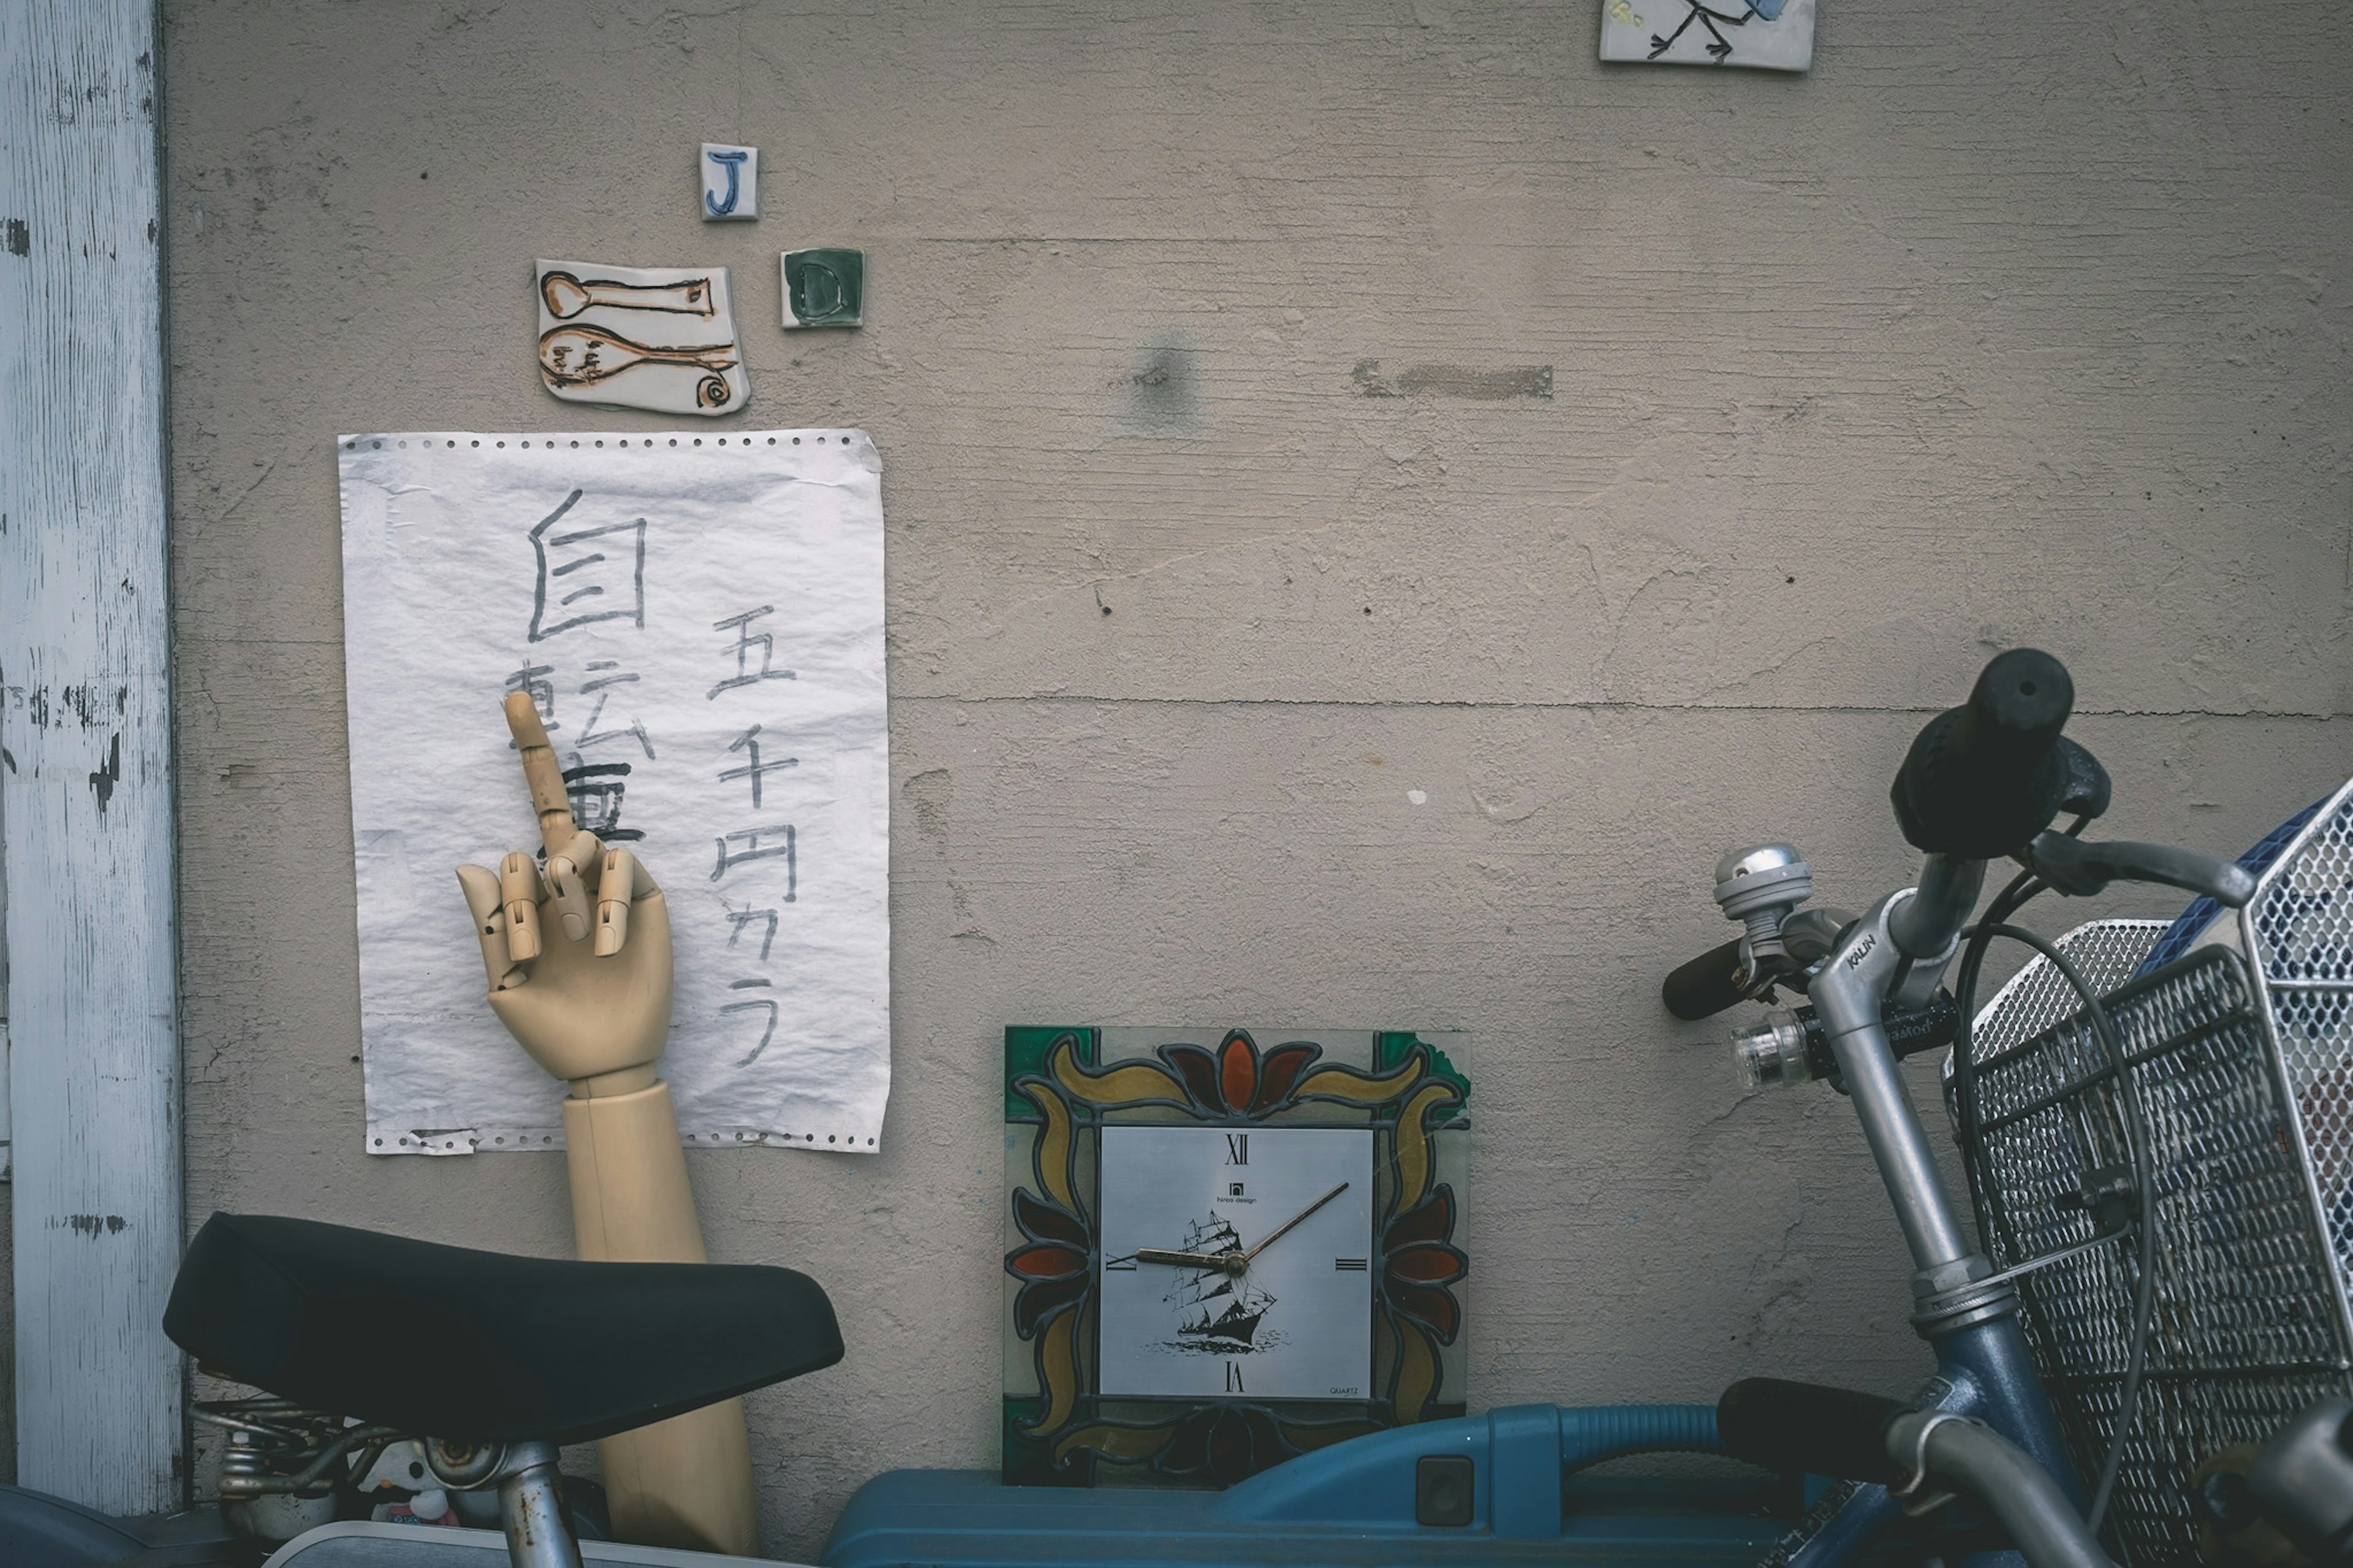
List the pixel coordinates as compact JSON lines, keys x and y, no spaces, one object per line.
{"x":479,"y":1346}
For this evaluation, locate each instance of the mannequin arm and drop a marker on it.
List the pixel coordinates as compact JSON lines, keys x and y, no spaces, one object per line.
{"x":578,"y":960}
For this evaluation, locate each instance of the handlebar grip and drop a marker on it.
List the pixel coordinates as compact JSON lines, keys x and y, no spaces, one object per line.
{"x":1982,"y":779}
{"x":1784,"y":1426}
{"x":1707,"y":986}
{"x":2303,"y":1481}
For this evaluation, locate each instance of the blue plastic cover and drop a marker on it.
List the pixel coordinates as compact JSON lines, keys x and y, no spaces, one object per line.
{"x":1353,"y":1504}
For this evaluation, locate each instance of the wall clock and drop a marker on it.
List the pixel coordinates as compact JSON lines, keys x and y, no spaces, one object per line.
{"x":1220,"y":1254}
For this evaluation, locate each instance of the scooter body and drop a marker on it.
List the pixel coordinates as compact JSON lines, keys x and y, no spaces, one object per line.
{"x":1478,"y":1488}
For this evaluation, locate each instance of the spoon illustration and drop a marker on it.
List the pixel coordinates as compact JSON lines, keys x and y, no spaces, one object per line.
{"x":580,"y":356}
{"x":568,"y":295}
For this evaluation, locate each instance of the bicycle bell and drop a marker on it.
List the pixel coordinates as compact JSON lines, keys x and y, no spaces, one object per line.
{"x":1758,"y":887}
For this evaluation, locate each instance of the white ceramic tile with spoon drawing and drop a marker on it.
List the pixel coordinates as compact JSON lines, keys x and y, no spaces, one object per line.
{"x":636,"y":337}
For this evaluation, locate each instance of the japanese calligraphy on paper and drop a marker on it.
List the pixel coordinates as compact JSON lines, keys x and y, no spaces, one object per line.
{"x":698,"y":621}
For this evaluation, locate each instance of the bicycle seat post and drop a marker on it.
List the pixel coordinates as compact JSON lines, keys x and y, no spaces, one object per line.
{"x":531,"y":1509}
{"x":531,"y":1495}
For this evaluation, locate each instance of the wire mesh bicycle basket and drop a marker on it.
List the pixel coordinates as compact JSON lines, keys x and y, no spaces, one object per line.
{"x":2241,"y":1053}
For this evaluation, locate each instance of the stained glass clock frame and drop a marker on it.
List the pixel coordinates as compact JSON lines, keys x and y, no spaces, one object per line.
{"x":1063,"y":1086}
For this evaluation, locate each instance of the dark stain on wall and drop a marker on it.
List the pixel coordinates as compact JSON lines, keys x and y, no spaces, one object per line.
{"x":1161,"y":393}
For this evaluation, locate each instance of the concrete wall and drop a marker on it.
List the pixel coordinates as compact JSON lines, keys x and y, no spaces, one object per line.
{"x":2003,"y":326}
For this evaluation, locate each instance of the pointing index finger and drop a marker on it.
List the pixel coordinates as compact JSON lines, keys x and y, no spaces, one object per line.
{"x":548,"y":796}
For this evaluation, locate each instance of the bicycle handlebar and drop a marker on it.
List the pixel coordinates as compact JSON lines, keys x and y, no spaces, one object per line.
{"x":1785,"y":1426}
{"x":1978,"y":1462}
{"x":1982,"y":779}
{"x":1925,"y":924}
{"x":2303,"y":1481}
{"x":1707,"y":986}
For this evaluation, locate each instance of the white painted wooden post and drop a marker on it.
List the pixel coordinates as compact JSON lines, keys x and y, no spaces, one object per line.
{"x":85,"y":721}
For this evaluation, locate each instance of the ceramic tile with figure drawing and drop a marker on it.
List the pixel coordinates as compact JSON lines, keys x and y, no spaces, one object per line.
{"x":1767,"y":35}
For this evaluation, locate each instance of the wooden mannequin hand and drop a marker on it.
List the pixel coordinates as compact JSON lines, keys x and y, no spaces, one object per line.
{"x":577,"y":954}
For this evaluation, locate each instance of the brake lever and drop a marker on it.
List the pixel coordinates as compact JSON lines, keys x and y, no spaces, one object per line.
{"x":2077,"y":867}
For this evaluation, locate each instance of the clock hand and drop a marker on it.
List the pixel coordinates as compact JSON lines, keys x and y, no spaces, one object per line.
{"x":1180,"y":1259}
{"x":1230,"y":1262}
{"x":1293,"y":1220}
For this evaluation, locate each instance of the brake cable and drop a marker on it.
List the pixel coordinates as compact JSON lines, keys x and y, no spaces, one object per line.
{"x":2023,"y":888}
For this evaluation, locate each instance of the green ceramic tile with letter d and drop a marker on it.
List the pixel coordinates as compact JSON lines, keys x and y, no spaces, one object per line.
{"x":824,"y":288}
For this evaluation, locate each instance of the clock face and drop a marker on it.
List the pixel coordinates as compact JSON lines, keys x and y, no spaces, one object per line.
{"x":1295,"y":1322}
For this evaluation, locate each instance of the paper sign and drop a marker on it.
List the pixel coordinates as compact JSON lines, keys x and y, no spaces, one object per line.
{"x":700,"y":622}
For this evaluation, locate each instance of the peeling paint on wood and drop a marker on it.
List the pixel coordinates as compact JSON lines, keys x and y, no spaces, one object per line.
{"x":103,"y":780}
{"x":89,"y":1225}
{"x":86,"y":837}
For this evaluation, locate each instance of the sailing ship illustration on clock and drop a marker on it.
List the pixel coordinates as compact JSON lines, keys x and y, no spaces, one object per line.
{"x":1216,"y":1313}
